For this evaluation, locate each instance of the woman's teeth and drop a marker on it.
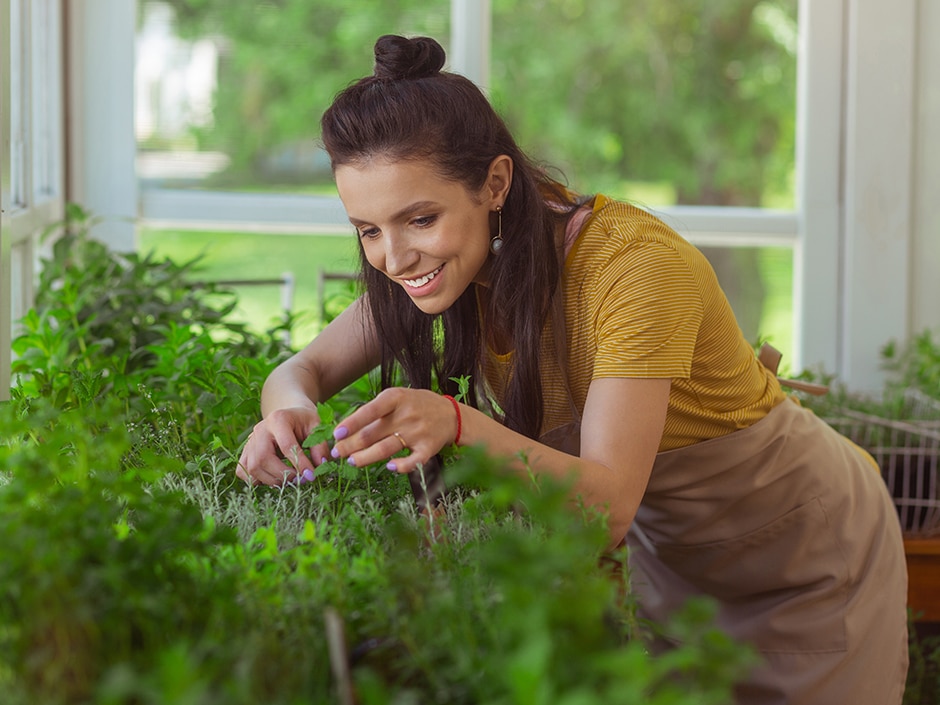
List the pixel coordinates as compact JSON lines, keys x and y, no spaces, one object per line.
{"x":415,"y":283}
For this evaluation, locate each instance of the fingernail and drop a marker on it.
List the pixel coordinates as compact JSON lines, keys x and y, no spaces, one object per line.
{"x":351,"y":460}
{"x":308,"y":475}
{"x":391,"y":466}
{"x":340,"y":433}
{"x":334,"y":453}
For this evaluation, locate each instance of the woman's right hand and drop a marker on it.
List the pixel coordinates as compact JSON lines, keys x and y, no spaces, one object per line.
{"x":274,"y":453}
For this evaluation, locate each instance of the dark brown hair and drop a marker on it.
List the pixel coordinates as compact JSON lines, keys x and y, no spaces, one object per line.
{"x":411,"y":110}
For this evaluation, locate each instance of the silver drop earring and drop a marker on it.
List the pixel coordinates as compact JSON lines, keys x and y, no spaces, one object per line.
{"x":496,"y":244}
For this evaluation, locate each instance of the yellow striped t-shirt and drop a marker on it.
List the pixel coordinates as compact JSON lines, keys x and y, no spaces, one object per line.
{"x":640,"y":301}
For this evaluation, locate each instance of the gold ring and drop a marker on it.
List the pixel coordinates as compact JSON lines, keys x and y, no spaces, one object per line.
{"x":404,"y":446}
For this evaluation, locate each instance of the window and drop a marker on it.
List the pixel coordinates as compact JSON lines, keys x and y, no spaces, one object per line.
{"x":31,"y":123}
{"x":687,"y":107}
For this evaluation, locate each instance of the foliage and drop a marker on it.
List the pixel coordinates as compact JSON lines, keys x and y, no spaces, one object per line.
{"x":923,"y":678}
{"x":282,"y":63}
{"x":134,"y":568}
{"x":108,"y":324}
{"x":695,"y":93}
{"x":911,"y":390}
{"x":118,"y":589}
{"x":915,"y":365}
{"x":698,"y":94}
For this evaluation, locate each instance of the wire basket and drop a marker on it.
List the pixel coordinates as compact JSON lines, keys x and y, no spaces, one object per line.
{"x":907,"y":452}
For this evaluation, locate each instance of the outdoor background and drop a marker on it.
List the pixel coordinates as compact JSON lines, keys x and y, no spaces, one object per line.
{"x":663,"y":102}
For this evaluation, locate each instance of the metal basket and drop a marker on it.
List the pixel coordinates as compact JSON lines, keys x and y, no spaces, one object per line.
{"x":908,"y":453}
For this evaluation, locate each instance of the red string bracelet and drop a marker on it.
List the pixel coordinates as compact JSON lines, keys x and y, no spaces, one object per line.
{"x":459,"y":424}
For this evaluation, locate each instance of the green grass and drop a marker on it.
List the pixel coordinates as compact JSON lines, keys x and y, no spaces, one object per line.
{"x":226,"y":256}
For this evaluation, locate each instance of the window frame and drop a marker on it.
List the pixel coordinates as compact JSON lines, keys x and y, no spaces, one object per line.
{"x":32,"y":154}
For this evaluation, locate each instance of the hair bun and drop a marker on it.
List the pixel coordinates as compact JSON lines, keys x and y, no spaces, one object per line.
{"x":399,"y":58}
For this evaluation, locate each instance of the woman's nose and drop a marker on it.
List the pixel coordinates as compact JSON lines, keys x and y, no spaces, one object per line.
{"x":399,"y":255}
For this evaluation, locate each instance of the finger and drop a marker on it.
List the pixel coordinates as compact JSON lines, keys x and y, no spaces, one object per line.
{"x":385,"y":449}
{"x":320,"y":453}
{"x":368,"y":444}
{"x":261,"y":463}
{"x":405,"y":464}
{"x":383,"y":405}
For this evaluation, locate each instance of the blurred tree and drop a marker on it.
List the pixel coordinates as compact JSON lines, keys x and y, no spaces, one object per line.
{"x":700,"y":94}
{"x":281,"y":63}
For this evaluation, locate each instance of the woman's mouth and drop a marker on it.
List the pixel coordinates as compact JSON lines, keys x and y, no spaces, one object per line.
{"x":422,"y":281}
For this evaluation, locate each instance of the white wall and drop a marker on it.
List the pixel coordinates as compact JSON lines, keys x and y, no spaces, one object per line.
{"x":925,"y":271}
{"x":869,"y":253}
{"x":101,"y":142}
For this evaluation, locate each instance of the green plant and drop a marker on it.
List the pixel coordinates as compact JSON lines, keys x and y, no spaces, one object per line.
{"x":915,"y":365}
{"x":101,"y":568}
{"x":135,"y":568}
{"x":107,"y":324}
{"x":923,"y":677}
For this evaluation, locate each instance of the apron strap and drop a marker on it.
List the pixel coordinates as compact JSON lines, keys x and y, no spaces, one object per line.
{"x":770,"y":358}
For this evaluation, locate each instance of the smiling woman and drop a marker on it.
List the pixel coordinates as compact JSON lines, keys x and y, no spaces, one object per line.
{"x":601,"y":350}
{"x":436,"y":245}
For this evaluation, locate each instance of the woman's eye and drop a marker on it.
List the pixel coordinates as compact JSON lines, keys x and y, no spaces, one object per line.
{"x":424,"y":221}
{"x":369,"y":233}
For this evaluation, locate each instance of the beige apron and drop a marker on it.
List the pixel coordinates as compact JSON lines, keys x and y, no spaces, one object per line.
{"x":792,"y":530}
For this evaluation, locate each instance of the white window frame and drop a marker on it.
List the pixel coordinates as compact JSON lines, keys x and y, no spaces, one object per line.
{"x":32,"y":153}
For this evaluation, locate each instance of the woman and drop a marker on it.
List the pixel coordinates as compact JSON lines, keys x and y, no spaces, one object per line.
{"x":601,"y":345}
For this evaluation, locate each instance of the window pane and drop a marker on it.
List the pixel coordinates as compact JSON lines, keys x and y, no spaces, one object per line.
{"x":14,"y":180}
{"x":45,"y":60}
{"x":758,"y":282}
{"x":662,"y":101}
{"x":229,"y":94}
{"x":5,"y":95}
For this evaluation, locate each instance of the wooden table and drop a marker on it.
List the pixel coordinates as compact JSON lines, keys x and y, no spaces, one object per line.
{"x":923,"y":570}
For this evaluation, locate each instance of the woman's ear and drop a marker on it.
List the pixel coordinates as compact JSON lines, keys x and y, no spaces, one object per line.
{"x":498,"y":180}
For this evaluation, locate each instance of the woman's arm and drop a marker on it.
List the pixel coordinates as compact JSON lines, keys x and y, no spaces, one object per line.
{"x":344,"y":351}
{"x":621,"y":430}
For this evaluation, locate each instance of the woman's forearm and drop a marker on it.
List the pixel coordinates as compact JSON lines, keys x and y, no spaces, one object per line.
{"x":290,"y":384}
{"x":614,"y":491}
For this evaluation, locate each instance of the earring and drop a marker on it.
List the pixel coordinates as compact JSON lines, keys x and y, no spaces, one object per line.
{"x":496,"y":244}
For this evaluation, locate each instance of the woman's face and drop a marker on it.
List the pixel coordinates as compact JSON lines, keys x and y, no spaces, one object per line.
{"x":429,"y":235}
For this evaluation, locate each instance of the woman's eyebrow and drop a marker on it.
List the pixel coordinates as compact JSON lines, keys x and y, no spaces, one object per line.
{"x":405,"y":212}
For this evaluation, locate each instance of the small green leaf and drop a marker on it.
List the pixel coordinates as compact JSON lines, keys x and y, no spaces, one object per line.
{"x":463,"y":386}
{"x":322,"y":432}
{"x":326,"y":414}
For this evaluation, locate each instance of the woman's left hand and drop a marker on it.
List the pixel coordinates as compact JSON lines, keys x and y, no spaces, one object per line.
{"x":399,"y":418}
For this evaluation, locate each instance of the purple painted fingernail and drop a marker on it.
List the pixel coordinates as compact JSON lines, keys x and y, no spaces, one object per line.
{"x":351,"y":460}
{"x":391,"y":466}
{"x":308,"y":475}
{"x":340,"y":433}
{"x":335,"y":453}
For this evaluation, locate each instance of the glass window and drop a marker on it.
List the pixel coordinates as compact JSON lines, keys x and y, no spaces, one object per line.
{"x":14,"y":181}
{"x":229,"y":95}
{"x":6,"y":198}
{"x":45,"y":83}
{"x":662,"y":101}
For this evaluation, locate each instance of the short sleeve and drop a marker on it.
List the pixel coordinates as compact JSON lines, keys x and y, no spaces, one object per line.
{"x":648,"y":313}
